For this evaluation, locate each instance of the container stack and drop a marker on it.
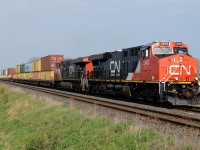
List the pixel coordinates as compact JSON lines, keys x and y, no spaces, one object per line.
{"x":11,"y":72}
{"x":41,"y":69}
{"x":36,"y":69}
{"x":28,"y":70}
{"x":7,"y":73}
{"x":48,"y":65}
{"x":0,"y":74}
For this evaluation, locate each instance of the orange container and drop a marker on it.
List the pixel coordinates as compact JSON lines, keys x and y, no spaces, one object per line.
{"x":48,"y":62}
{"x":11,"y":71}
{"x":35,"y":75}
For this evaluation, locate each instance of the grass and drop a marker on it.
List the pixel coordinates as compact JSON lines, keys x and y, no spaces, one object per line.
{"x":27,"y":122}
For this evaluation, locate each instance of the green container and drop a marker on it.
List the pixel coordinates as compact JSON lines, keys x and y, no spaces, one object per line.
{"x":22,"y":68}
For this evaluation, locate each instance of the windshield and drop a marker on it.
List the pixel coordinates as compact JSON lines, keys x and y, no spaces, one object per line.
{"x":160,"y":51}
{"x":180,"y":51}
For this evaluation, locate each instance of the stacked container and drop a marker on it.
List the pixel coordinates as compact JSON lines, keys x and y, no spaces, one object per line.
{"x":36,"y":68}
{"x":21,"y":76}
{"x":48,"y":65}
{"x":1,"y":73}
{"x":28,"y":67}
{"x":47,"y":75}
{"x":48,"y":62}
{"x":36,"y":65}
{"x":5,"y":73}
{"x":11,"y":72}
{"x":27,"y":76}
{"x":17,"y":70}
{"x":35,"y":75}
{"x":22,"y":68}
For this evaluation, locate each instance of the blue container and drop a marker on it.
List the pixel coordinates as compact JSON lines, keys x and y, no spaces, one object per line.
{"x":22,"y":68}
{"x":28,"y":67}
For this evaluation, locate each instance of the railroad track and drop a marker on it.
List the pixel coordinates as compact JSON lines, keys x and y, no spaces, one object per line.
{"x":189,"y":123}
{"x":190,"y":109}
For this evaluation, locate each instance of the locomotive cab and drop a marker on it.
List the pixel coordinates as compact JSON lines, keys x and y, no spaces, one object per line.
{"x":177,"y":72}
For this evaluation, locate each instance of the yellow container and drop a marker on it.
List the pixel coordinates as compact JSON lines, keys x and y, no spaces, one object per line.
{"x":27,"y":75}
{"x":20,"y":76}
{"x":47,"y":75}
{"x":17,"y":69}
{"x":36,"y":65}
{"x":16,"y":76}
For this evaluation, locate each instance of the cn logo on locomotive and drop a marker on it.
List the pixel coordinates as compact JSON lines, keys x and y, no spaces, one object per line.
{"x":114,"y":67}
{"x":173,"y":70}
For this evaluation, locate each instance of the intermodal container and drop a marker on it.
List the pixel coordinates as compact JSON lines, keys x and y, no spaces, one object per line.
{"x":14,"y":76}
{"x":11,"y":71}
{"x":35,"y":75}
{"x":47,"y":75}
{"x":36,"y":65}
{"x":48,"y":62}
{"x":17,"y":69}
{"x":4,"y":72}
{"x":18,"y":76}
{"x":28,"y":67}
{"x":21,"y":76}
{"x":27,"y":76}
{"x":1,"y":74}
{"x":22,"y":68}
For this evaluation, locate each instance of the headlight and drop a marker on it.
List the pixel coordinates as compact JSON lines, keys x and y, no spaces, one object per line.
{"x":196,"y":78}
{"x":176,"y":78}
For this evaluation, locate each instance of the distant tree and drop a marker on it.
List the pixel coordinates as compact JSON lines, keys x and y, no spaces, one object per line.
{"x":67,"y":58}
{"x":33,"y":59}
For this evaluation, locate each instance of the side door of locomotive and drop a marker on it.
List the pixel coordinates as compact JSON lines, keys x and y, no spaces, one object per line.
{"x":125,"y":64}
{"x":145,"y":60}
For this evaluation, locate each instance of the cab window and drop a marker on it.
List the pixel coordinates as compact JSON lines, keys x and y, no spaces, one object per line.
{"x":145,"y":53}
{"x":180,"y":51}
{"x":161,"y":51}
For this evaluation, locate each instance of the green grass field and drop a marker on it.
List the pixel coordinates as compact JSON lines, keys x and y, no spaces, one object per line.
{"x":27,"y":122}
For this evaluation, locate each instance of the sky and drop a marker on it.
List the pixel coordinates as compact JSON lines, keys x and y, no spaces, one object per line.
{"x":76,"y":28}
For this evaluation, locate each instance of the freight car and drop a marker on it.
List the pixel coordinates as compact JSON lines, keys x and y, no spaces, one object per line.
{"x":39,"y":72}
{"x":160,"y":71}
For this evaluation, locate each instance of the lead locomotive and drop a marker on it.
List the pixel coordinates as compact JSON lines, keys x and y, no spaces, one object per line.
{"x":160,"y":71}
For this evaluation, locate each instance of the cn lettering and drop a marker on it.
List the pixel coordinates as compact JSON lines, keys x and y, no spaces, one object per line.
{"x":114,"y":66}
{"x":178,"y":70}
